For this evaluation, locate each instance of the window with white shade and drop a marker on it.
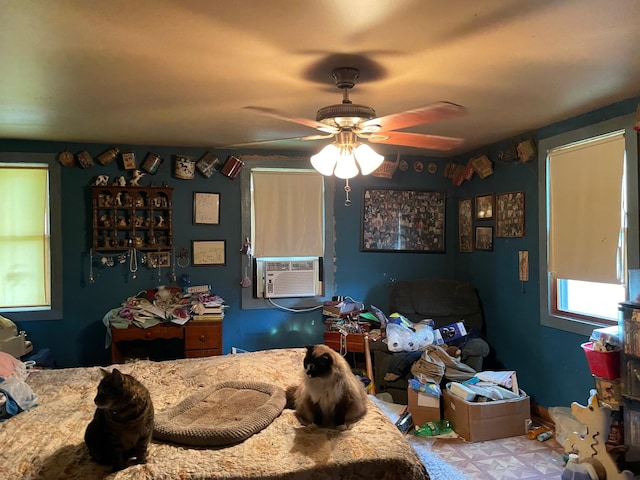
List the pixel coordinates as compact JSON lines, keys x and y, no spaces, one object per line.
{"x":588,"y":240}
{"x":30,"y":246}
{"x":287,"y":213}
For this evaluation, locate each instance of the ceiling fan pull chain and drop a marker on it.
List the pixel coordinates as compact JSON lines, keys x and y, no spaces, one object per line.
{"x":347,"y":189}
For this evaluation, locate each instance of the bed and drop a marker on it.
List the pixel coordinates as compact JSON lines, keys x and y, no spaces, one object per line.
{"x":46,"y":441}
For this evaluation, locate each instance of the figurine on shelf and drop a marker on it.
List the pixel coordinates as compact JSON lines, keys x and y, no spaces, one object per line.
{"x":119,"y":182}
{"x":122,"y":222}
{"x":160,"y":221}
{"x":119,"y":199}
{"x":137,"y":176}
{"x":107,"y":240}
{"x":101,"y":180}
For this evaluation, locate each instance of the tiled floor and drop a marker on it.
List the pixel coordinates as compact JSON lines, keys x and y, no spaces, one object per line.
{"x":508,"y":458}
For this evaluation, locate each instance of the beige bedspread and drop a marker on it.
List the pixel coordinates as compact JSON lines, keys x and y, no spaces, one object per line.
{"x":46,"y":442}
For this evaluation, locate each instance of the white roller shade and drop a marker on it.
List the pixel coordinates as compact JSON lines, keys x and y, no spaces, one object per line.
{"x":287,"y":213}
{"x":585,"y":199}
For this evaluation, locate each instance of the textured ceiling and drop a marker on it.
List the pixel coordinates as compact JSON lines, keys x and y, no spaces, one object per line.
{"x":181,"y":72}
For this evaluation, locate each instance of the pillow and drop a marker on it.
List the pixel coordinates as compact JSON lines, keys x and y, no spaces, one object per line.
{"x":11,"y":366}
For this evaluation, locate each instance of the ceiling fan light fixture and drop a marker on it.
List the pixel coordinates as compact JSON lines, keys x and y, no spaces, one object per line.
{"x":367,"y":158}
{"x":346,"y":166}
{"x":325,"y":160}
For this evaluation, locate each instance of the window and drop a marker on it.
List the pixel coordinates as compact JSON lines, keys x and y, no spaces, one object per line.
{"x":588,"y":240}
{"x":30,"y":246}
{"x":287,"y":212}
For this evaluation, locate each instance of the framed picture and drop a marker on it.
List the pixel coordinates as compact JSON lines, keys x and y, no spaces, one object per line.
{"x":484,"y":238}
{"x":465,"y":225}
{"x":158,"y":260}
{"x":208,"y":252}
{"x":484,"y":206}
{"x":206,"y":208}
{"x":510,"y":214}
{"x":402,"y":221}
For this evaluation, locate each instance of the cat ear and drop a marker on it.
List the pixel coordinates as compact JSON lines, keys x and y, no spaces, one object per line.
{"x":105,"y":373}
{"x":117,"y":376}
{"x":310,"y":348}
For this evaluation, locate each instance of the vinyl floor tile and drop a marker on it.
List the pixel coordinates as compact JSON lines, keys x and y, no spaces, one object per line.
{"x":504,"y":459}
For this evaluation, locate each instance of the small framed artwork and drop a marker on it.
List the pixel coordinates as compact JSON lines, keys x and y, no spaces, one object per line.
{"x":158,"y":259}
{"x":129,"y":160}
{"x":208,"y":252}
{"x":206,"y":208}
{"x":484,"y":238}
{"x":465,"y":224}
{"x":510,"y":215}
{"x":484,"y":206}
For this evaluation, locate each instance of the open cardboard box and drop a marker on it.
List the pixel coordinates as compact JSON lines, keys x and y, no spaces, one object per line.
{"x":480,"y":421}
{"x":423,"y":407}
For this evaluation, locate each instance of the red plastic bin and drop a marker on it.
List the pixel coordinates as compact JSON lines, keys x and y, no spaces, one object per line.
{"x":602,"y":364}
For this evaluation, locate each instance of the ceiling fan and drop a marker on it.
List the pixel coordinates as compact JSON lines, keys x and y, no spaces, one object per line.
{"x":361,"y":120}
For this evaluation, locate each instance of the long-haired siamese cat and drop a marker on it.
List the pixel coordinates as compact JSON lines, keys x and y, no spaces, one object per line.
{"x":330,"y":395}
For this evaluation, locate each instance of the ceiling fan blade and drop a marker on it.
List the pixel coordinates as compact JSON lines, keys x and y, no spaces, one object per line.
{"x":427,"y":114}
{"x":258,"y":142}
{"x":270,"y":112}
{"x":418,"y":140}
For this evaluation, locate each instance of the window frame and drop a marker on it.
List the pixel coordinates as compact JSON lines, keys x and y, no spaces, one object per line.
{"x":550,"y":316}
{"x":248,"y":302}
{"x":55,"y":225}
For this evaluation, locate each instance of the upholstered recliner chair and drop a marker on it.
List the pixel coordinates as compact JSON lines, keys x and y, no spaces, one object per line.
{"x":445,"y":302}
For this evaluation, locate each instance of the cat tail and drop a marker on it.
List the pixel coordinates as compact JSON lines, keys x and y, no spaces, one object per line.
{"x":291,"y":396}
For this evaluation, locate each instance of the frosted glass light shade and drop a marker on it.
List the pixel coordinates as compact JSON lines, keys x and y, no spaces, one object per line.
{"x":339,"y":159}
{"x":367,"y":158}
{"x":346,"y":167}
{"x":325,"y":160}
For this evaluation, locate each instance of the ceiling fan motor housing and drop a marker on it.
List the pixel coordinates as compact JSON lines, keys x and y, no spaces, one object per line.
{"x":345,"y":115}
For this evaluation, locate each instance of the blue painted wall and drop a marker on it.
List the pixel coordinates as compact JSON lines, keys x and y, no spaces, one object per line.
{"x":550,"y":364}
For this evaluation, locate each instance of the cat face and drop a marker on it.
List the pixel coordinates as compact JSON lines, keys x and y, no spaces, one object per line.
{"x":109,"y":389}
{"x":316,"y":363}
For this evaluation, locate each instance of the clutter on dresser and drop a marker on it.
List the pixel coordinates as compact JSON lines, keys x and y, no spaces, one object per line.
{"x":167,"y":304}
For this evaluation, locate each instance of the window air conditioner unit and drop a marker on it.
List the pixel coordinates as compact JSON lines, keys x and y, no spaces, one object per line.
{"x":290,"y":278}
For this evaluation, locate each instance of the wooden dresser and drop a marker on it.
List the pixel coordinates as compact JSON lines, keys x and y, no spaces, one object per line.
{"x":200,"y":339}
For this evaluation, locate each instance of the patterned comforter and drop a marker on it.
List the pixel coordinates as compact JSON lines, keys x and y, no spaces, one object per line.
{"x":46,"y":441}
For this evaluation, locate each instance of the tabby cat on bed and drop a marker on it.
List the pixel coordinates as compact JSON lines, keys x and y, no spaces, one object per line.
{"x":330,"y":395}
{"x":123,"y":422}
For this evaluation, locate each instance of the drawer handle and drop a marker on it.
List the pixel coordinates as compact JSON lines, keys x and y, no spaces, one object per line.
{"x":203,"y":338}
{"x":147,"y":335}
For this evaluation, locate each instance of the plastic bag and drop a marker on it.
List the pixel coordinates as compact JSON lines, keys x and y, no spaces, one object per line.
{"x":566,"y":424}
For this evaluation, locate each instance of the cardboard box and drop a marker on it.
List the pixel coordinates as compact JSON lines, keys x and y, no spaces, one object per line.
{"x":480,"y":421}
{"x":423,"y":407}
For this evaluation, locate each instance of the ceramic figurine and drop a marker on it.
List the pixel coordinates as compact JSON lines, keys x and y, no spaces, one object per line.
{"x":101,"y":180}
{"x":137,"y":176}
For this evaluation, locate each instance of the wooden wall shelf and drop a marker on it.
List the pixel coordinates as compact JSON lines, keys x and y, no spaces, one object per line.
{"x":132,"y":217}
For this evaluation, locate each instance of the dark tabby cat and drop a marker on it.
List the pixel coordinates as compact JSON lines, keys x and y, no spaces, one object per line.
{"x":123,"y":422}
{"x":330,"y":395}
